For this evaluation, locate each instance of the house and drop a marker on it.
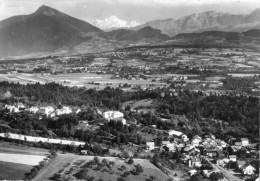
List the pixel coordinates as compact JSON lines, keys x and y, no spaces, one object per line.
{"x":233,"y":158}
{"x":175,"y":133}
{"x":195,"y":162}
{"x":223,"y":162}
{"x":195,"y":142}
{"x":192,"y":172}
{"x":33,"y":109}
{"x":20,"y":106}
{"x":169,"y":145}
{"x":149,"y":146}
{"x":45,"y":110}
{"x":63,"y":110}
{"x":213,"y":152}
{"x":184,"y":138}
{"x":244,"y":141}
{"x":113,"y":115}
{"x":12,"y":108}
{"x":249,"y":170}
{"x":84,"y":152}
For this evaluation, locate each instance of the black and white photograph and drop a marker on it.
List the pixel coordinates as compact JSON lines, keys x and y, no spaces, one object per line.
{"x":129,"y":90}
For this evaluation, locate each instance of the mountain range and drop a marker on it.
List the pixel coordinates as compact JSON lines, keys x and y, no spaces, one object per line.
{"x":206,"y":21}
{"x":49,"y":30}
{"x":113,"y":22}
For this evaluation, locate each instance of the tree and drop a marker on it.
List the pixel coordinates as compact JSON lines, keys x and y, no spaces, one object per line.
{"x":123,"y":167}
{"x":139,"y":168}
{"x":130,"y":161}
{"x":96,"y":159}
{"x":53,"y":152}
{"x":104,"y":161}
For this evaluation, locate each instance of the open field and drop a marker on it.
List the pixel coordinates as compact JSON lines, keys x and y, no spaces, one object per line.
{"x":68,"y":165}
{"x":16,"y":160}
{"x":6,"y":147}
{"x":88,"y":80}
{"x":13,"y":171}
{"x":21,"y":158}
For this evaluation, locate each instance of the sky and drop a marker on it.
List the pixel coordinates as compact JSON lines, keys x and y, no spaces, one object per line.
{"x":129,"y":10}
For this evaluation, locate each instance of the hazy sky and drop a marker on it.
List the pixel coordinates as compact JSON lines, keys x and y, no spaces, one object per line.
{"x":139,"y":10}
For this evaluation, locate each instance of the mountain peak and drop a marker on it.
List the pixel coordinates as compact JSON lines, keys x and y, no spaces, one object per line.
{"x":46,"y":10}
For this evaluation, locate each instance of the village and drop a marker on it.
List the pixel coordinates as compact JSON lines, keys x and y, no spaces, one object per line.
{"x":202,"y":156}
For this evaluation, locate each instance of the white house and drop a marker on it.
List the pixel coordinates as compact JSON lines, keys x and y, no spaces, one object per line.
{"x":249,"y":170}
{"x":195,"y":142}
{"x":174,"y":133}
{"x":33,"y":109}
{"x":149,"y":146}
{"x":233,"y":158}
{"x":20,"y":105}
{"x":244,"y":141}
{"x":46,"y":110}
{"x":12,"y":108}
{"x":184,"y":138}
{"x":63,"y":110}
{"x":113,"y":115}
{"x":192,"y":172}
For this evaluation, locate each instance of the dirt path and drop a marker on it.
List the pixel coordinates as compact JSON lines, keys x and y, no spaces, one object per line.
{"x":54,"y":166}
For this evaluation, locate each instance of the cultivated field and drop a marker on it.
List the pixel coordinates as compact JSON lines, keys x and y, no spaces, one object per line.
{"x":88,"y":80}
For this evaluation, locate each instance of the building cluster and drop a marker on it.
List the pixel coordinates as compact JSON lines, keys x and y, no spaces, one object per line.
{"x":208,"y":154}
{"x":48,"y":111}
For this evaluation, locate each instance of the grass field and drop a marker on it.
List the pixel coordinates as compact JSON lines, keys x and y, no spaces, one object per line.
{"x":13,"y":171}
{"x":68,"y":164}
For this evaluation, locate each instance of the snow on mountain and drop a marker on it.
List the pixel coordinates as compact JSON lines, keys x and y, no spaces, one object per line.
{"x":114,"y":22}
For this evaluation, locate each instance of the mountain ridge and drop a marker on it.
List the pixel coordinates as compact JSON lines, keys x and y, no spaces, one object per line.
{"x":44,"y":30}
{"x":209,"y":20}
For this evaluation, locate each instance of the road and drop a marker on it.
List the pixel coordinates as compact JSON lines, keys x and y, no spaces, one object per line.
{"x":227,"y":174}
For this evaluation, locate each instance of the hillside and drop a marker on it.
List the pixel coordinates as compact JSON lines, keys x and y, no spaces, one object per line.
{"x":145,"y":33}
{"x":46,"y":29}
{"x":247,"y":38}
